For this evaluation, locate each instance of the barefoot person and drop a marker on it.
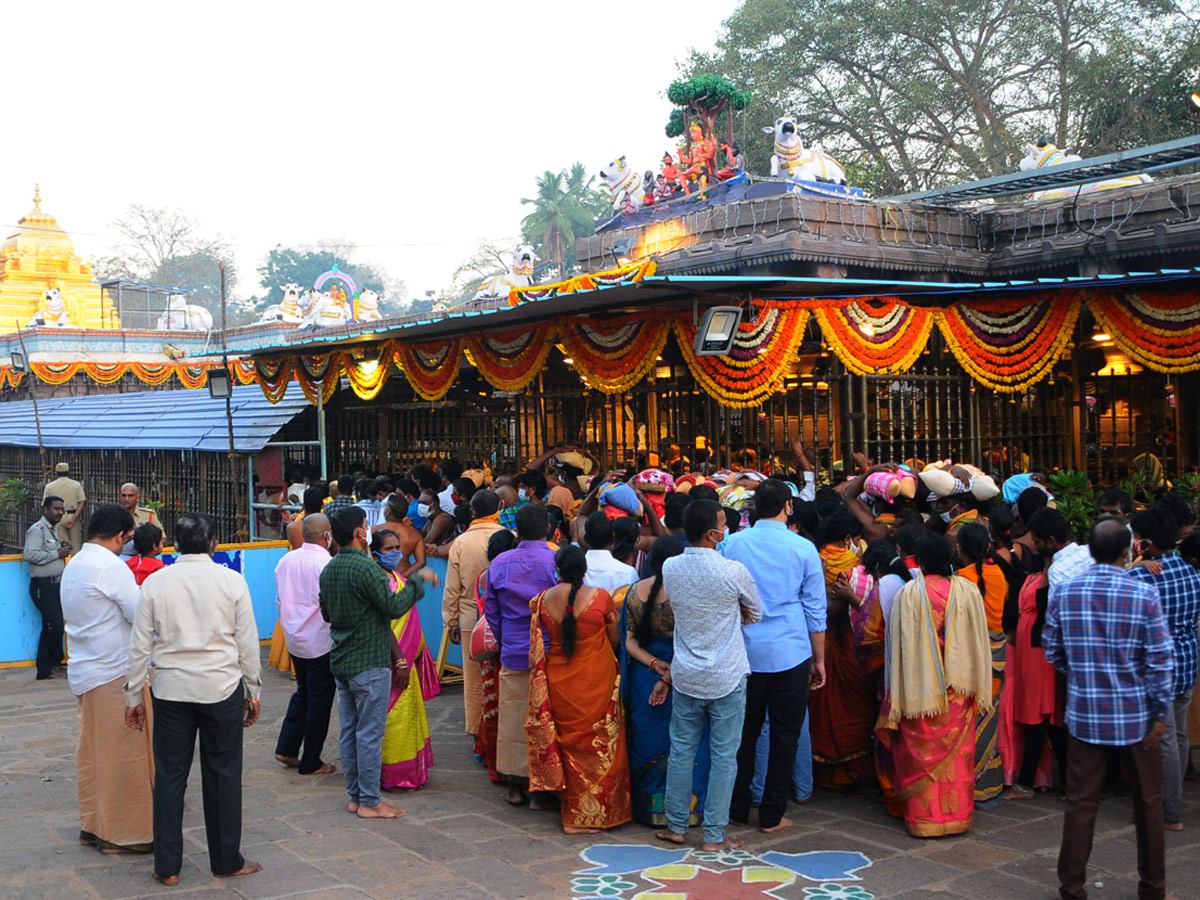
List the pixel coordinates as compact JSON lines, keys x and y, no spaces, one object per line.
{"x":711,"y":597}
{"x":359,"y":606}
{"x":195,"y":625}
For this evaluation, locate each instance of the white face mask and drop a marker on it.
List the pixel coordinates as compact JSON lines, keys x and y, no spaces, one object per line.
{"x":522,"y":494}
{"x":423,"y":510}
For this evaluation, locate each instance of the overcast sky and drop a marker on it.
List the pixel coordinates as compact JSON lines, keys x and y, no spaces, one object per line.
{"x":412,"y":129}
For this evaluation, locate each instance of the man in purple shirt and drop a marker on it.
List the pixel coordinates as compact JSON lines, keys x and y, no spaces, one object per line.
{"x":513,"y":579}
{"x":297,"y":589}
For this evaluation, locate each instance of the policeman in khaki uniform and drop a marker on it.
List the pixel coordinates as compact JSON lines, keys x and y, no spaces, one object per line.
{"x":74,"y":500}
{"x":142,"y":515}
{"x":46,"y":555}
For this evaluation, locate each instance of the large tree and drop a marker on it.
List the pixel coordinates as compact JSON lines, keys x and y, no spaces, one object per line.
{"x":563,"y":211}
{"x":915,"y":93}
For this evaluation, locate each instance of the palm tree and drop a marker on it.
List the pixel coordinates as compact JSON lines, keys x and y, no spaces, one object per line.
{"x":558,"y":215}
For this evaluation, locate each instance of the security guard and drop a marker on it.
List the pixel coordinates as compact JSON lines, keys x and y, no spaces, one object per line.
{"x":46,"y":554}
{"x":142,"y":515}
{"x":71,"y":492}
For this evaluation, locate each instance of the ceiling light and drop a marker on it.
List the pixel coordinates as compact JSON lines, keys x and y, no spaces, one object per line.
{"x":1101,"y":337}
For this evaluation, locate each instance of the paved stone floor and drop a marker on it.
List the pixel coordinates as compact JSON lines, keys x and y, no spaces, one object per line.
{"x":460,"y":839}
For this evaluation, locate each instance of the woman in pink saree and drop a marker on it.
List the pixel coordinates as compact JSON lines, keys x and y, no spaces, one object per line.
{"x":940,"y":675}
{"x":407,"y":752}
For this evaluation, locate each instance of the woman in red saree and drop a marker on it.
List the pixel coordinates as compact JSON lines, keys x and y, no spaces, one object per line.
{"x":575,"y":727}
{"x":941,"y":673}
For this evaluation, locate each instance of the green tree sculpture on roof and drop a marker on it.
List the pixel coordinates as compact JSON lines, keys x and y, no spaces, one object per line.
{"x":705,"y":97}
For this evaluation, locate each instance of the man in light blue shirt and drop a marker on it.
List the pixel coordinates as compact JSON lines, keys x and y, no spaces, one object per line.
{"x":786,"y":649}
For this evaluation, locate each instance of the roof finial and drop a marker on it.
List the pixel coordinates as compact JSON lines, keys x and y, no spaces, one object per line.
{"x":37,"y":197}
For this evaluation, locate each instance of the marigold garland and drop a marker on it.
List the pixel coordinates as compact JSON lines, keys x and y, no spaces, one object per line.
{"x":1008,"y":345}
{"x":431,"y":367}
{"x":318,"y":376}
{"x":273,"y":376}
{"x":614,"y":355}
{"x":1160,"y":331}
{"x":55,"y":373}
{"x":625,"y":274}
{"x":763,"y":354}
{"x":367,"y":374}
{"x":875,"y":334}
{"x":510,"y":360}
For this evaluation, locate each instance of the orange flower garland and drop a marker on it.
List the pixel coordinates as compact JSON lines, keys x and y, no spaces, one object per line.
{"x":614,"y":355}
{"x":625,"y":274}
{"x":763,"y":354}
{"x":875,"y":334}
{"x":1008,"y":345}
{"x":431,"y":367}
{"x":510,"y":360}
{"x":273,"y":376}
{"x":1160,"y":331}
{"x":318,"y":376}
{"x":367,"y":374}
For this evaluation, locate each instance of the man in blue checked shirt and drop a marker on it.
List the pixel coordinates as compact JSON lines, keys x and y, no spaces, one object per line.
{"x":1156,"y":532}
{"x":1107,"y":633}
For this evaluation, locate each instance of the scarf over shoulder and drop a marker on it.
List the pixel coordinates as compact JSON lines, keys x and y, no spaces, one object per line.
{"x":921,"y":672}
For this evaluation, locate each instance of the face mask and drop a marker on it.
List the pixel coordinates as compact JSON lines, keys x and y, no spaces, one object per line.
{"x":946,"y":517}
{"x":522,"y":494}
{"x":723,"y":541}
{"x":423,"y":510}
{"x":390,"y":560}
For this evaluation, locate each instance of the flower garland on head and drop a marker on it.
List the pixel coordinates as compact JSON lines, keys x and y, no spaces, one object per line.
{"x":763,"y":354}
{"x":614,"y":355}
{"x":1161,"y":331}
{"x":510,"y":360}
{"x":430,"y":367}
{"x":1008,"y":345}
{"x":875,"y":334}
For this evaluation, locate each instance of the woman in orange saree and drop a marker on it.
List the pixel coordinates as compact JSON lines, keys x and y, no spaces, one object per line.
{"x":574,"y":726}
{"x":941,"y":672}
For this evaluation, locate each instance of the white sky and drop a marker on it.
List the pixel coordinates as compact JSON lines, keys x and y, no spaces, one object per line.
{"x":412,"y":129}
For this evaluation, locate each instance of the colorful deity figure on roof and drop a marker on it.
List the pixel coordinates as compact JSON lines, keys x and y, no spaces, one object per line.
{"x":1045,"y":153}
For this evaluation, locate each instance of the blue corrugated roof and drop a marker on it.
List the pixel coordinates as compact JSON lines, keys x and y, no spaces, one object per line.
{"x":150,"y":420}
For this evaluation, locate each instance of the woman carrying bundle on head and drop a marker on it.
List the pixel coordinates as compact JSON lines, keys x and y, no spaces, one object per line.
{"x":574,"y":727}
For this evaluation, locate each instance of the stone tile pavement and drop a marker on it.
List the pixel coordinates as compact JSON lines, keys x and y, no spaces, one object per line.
{"x":461,"y":840}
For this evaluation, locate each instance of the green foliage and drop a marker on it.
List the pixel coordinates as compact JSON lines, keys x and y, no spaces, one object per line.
{"x":927,"y":92}
{"x":1075,"y":499}
{"x":708,"y":91}
{"x":675,"y":124}
{"x":1139,"y":485}
{"x":1188,"y":487}
{"x":291,"y":264}
{"x":13,"y":495}
{"x":565,"y":208}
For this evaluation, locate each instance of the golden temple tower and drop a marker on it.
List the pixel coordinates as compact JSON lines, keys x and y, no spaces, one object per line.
{"x":40,"y":256}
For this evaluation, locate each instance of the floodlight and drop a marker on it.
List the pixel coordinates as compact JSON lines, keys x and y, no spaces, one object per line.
{"x":17,"y":362}
{"x":717,"y":330}
{"x":220,"y":386}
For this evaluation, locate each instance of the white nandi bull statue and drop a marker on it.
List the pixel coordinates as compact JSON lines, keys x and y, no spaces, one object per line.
{"x":621,"y":179}
{"x":286,"y":311}
{"x":51,"y":312}
{"x":323,"y":310}
{"x":791,"y":159}
{"x":366,"y":307}
{"x":1045,"y":153}
{"x":183,"y":316}
{"x":519,"y":275}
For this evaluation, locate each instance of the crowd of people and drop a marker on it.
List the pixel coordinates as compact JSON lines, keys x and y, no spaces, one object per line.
{"x":679,"y":650}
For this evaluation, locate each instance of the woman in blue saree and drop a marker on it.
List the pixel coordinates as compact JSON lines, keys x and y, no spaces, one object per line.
{"x":649,"y":626}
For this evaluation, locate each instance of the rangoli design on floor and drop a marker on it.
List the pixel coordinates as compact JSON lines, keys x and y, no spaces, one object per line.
{"x":645,"y":872}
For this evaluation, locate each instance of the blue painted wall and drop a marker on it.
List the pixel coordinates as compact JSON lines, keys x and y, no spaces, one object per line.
{"x":21,"y":622}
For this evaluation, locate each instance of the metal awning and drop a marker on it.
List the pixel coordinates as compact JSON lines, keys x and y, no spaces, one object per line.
{"x":679,"y":292}
{"x":150,"y":420}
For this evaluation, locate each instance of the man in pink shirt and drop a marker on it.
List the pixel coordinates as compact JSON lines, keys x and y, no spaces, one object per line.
{"x":297,"y":588}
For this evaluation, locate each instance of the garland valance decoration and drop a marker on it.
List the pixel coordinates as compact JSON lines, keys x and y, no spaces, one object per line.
{"x":614,"y":356}
{"x":627,"y":275}
{"x":1160,"y":331}
{"x":189,"y":375}
{"x":875,"y":334}
{"x":764,"y":353}
{"x":431,"y":367}
{"x":510,"y":360}
{"x":1009,"y":345}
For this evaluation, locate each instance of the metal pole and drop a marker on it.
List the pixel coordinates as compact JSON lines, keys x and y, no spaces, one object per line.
{"x":321,"y":432}
{"x":37,"y":419}
{"x":253,"y":526}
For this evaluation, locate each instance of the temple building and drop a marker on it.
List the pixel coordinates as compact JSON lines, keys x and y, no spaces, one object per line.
{"x":39,"y":257}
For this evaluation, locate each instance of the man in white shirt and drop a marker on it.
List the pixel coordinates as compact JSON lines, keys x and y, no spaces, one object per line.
{"x":297,"y":589}
{"x":99,"y":600}
{"x":603,"y":571}
{"x":195,"y":623}
{"x":711,"y":598}
{"x":1052,"y":538}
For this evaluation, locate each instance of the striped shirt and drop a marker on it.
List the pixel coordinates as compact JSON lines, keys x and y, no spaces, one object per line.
{"x":1107,"y":632}
{"x":1179,"y":593}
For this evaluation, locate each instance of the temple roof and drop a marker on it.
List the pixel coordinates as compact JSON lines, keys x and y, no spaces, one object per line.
{"x":38,"y":231}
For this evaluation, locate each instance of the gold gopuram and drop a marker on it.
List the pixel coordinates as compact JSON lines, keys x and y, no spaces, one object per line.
{"x":40,"y":256}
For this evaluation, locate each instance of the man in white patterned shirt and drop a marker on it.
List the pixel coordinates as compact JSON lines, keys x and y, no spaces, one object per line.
{"x":711,"y":598}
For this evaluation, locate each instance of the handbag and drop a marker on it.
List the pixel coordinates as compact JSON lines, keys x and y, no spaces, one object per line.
{"x":484,"y":645}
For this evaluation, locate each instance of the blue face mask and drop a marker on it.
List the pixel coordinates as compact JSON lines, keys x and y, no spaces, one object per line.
{"x":390,"y":561}
{"x":723,"y":541}
{"x":946,"y":517}
{"x":522,"y":494}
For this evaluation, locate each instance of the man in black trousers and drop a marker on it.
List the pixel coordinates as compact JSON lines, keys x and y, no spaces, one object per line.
{"x":195,"y":624}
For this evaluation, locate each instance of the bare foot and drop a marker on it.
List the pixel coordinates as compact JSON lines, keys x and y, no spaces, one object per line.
{"x":516,"y":796}
{"x":326,"y":769}
{"x":351,"y":807}
{"x":383,"y":811}
{"x":168,"y":880}
{"x":290,"y":761}
{"x":249,"y":867}
{"x":567,"y":829}
{"x":783,"y":823}
{"x":1017,"y":792}
{"x":730,"y":843}
{"x":671,"y":837}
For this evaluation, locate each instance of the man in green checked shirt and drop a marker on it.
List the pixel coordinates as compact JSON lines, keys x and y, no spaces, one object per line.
{"x":359,"y":606}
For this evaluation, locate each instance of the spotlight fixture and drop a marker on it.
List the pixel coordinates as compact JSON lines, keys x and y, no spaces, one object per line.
{"x":17,"y":363}
{"x":219,"y":384}
{"x":717,"y":330}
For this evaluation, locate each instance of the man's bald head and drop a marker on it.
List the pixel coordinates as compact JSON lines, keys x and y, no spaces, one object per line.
{"x":313,"y":528}
{"x":1109,"y":542}
{"x":507,"y":495}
